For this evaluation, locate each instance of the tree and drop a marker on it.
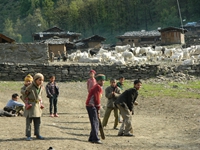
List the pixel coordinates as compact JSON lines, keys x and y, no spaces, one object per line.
{"x":48,"y":11}
{"x":9,"y":31}
{"x":33,"y":23}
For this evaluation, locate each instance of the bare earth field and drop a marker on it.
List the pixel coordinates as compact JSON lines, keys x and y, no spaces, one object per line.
{"x":160,"y":123}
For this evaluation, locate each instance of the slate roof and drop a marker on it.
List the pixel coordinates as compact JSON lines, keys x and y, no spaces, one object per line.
{"x":57,"y":41}
{"x":92,"y":38}
{"x":142,"y":33}
{"x":57,"y":31}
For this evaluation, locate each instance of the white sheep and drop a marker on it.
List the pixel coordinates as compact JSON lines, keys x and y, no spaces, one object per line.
{"x":169,"y":52}
{"x":144,"y":50}
{"x":121,"y":49}
{"x":127,"y":55}
{"x":101,"y":51}
{"x":135,"y":51}
{"x":189,"y":61}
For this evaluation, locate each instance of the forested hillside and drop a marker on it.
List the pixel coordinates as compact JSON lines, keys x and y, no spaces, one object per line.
{"x":108,"y":18}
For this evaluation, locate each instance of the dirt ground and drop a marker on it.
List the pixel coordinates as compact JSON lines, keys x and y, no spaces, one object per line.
{"x":159,"y":123}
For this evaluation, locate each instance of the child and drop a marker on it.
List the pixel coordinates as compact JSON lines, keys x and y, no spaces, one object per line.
{"x":27,"y":81}
{"x":14,"y":106}
{"x":120,"y":84}
{"x":111,"y":93}
{"x":52,"y":91}
{"x":34,"y":113}
{"x":91,"y":81}
{"x":93,"y":104}
{"x":125,"y":103}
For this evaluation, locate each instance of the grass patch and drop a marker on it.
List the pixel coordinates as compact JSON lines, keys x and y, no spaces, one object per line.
{"x":11,"y":85}
{"x":170,"y":89}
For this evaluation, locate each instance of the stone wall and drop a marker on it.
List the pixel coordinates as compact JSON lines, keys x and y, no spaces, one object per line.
{"x":24,"y":53}
{"x":78,"y":72}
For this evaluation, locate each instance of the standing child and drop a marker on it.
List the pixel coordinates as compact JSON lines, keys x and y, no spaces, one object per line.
{"x":111,"y":93}
{"x":91,"y":81}
{"x":34,"y":113}
{"x":93,"y":108}
{"x":52,"y":91}
{"x":120,"y":84}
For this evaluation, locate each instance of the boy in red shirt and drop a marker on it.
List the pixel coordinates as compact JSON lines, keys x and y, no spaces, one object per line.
{"x":93,"y":108}
{"x":91,"y":81}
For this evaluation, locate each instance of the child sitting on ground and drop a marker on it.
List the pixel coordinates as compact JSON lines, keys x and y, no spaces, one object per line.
{"x":14,"y":106}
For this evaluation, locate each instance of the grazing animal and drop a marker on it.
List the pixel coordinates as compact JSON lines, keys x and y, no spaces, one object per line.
{"x":121,"y":49}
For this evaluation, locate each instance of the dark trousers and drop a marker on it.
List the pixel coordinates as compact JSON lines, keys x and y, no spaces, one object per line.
{"x":36,"y":122}
{"x":53,"y":104}
{"x":94,"y":121}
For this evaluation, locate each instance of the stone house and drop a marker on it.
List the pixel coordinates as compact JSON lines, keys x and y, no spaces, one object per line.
{"x":94,"y":41}
{"x":5,"y":39}
{"x":172,"y":35}
{"x":55,"y":31}
{"x":139,"y":38}
{"x":56,"y":45}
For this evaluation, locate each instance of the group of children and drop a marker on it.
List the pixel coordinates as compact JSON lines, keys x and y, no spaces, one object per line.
{"x":117,"y":100}
{"x":32,"y":107}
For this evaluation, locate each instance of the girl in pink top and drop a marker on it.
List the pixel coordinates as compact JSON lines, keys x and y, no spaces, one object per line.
{"x":91,"y":81}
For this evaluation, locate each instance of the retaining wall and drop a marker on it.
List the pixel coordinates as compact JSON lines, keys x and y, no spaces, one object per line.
{"x":20,"y":53}
{"x":79,"y":72}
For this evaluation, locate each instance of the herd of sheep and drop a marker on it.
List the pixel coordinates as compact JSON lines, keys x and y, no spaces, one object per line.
{"x":122,"y":55}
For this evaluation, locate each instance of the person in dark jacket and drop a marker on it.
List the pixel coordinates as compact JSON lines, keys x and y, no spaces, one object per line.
{"x":52,"y":91}
{"x":125,"y":103}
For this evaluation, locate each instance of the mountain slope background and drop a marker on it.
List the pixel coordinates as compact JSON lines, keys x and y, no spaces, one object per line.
{"x":19,"y":19}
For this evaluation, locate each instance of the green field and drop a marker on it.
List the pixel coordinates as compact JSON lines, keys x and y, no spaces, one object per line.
{"x":190,"y":89}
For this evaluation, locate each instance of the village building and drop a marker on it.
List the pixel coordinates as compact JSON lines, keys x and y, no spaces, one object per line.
{"x":172,"y":35}
{"x":192,"y":36}
{"x":193,"y":29}
{"x":139,"y":38}
{"x":55,"y":31}
{"x":94,"y":41}
{"x":57,"y":45}
{"x":5,"y":39}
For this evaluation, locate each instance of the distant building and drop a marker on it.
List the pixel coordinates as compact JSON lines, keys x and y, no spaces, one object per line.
{"x":192,"y":36}
{"x":55,"y":31}
{"x":139,"y":38}
{"x":172,"y":35}
{"x":193,"y":29}
{"x":94,"y":41}
{"x":57,"y":44}
{"x":5,"y":39}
